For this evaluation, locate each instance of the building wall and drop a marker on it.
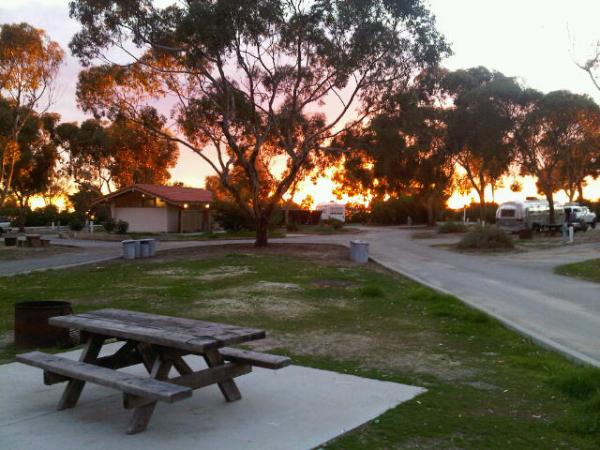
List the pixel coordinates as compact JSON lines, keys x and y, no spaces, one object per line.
{"x":172,"y":219}
{"x":143,"y":219}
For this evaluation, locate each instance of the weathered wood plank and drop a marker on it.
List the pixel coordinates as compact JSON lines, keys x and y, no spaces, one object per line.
{"x":142,"y":414}
{"x":224,"y":334}
{"x":125,"y":382}
{"x":196,"y":380}
{"x":228,"y":387}
{"x":73,"y":390}
{"x":257,"y":359}
{"x":134,"y":332}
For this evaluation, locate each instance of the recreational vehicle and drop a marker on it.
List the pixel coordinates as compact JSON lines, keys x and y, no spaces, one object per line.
{"x":332,"y":210}
{"x":532,"y":214}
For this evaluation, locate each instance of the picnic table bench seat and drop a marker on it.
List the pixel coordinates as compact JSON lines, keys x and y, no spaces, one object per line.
{"x":149,"y":388}
{"x":264,"y":360}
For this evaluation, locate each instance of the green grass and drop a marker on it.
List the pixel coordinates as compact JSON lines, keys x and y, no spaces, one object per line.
{"x":488,"y":388}
{"x":586,"y":270}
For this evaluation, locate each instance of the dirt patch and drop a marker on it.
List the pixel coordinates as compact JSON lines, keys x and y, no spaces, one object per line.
{"x":172,"y":272}
{"x":320,"y":252}
{"x":270,"y":286}
{"x":370,"y":351}
{"x":275,"y":307}
{"x":224,"y":272}
{"x":334,"y":283}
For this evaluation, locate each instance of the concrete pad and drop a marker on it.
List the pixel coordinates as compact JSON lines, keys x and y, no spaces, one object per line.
{"x":293,"y":408}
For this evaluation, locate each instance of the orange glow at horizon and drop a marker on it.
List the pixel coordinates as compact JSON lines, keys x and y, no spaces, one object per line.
{"x":322,"y":191}
{"x":38,"y":202}
{"x":591,"y":191}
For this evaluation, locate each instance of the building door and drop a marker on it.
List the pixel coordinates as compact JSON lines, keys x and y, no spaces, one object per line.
{"x":191,"y":221}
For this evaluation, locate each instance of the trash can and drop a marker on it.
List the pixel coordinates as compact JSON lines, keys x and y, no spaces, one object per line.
{"x":138,"y":248}
{"x":31,"y":324}
{"x":144,"y":248}
{"x":359,"y":251}
{"x":128,"y":249}
{"x":151,"y":245}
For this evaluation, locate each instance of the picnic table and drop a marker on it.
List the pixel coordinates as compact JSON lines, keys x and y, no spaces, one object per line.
{"x":159,"y":343}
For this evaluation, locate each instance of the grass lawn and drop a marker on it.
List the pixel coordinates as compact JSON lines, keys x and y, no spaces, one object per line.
{"x":488,"y":388}
{"x":586,"y":270}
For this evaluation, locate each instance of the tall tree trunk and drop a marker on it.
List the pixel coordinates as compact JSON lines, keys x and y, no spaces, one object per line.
{"x":482,"y":206}
{"x":430,"y":211}
{"x":550,"y":199}
{"x":580,"y":191}
{"x":262,"y":230}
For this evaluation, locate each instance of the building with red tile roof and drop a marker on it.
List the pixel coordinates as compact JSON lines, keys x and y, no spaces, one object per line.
{"x":157,"y":208}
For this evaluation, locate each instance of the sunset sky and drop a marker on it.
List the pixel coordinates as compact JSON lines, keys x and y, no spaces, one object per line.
{"x":538,"y":41}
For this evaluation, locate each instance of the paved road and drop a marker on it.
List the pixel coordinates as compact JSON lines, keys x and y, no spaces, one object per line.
{"x":89,"y":252}
{"x":519,"y":289}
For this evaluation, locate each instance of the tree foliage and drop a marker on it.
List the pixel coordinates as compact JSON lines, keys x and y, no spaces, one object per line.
{"x":245,"y":79}
{"x":481,"y":125}
{"x":402,"y":152}
{"x":29,"y":63}
{"x":552,"y":136}
{"x":116,"y":155}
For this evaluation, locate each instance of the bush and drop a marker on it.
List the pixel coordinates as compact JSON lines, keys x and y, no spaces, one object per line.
{"x":76,"y":224}
{"x":333,"y":223}
{"x":122,"y":227}
{"x":109,"y":225}
{"x":292,"y":226}
{"x":233,"y":218}
{"x":452,"y":227}
{"x":486,"y":237}
{"x":397,"y":211}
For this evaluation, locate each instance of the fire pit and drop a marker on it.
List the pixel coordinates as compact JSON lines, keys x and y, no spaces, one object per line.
{"x":31,"y":324}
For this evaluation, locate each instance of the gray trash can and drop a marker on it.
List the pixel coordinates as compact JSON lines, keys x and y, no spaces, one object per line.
{"x":138,"y":248}
{"x":128,"y":249}
{"x":144,"y":248}
{"x":151,"y":245}
{"x":359,"y":251}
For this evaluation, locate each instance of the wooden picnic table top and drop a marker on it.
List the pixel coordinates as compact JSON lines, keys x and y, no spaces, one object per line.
{"x":194,"y":336}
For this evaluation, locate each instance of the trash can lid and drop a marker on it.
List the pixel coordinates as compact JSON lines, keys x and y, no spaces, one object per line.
{"x":127,"y":241}
{"x":359,"y":242}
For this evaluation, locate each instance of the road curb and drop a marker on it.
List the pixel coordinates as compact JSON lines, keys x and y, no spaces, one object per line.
{"x":570,"y":354}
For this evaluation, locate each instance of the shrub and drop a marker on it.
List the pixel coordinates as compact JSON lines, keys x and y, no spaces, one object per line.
{"x":122,"y":227}
{"x":486,"y":237}
{"x":452,"y":227}
{"x":109,"y":225}
{"x":334,"y":223}
{"x":292,"y":226}
{"x":76,"y":224}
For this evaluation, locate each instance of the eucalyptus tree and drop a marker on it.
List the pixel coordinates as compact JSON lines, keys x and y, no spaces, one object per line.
{"x":117,"y":154}
{"x":550,"y":135}
{"x":402,"y":151}
{"x":29,"y":63}
{"x":247,"y":81}
{"x":481,"y":124}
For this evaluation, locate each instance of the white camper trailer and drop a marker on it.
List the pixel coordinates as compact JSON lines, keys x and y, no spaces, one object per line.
{"x":332,"y":210}
{"x":532,"y":214}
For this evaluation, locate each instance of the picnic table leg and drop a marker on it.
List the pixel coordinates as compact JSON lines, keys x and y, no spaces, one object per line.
{"x":73,"y":390}
{"x":142,"y":414}
{"x":228,"y":387}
